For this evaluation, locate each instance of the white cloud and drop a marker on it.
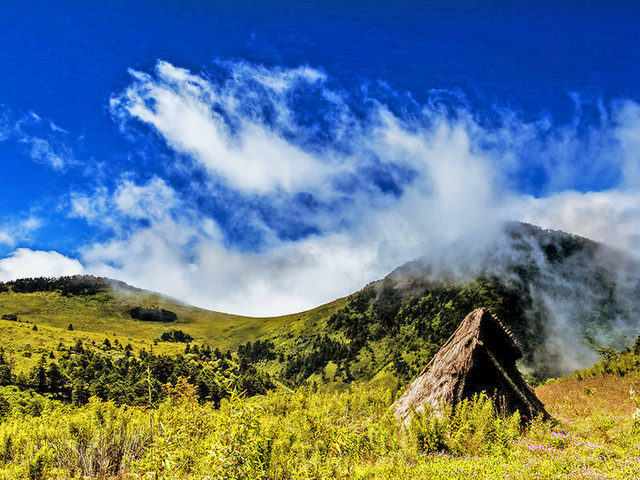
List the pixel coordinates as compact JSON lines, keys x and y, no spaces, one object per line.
{"x":290,"y":277}
{"x":14,"y":231}
{"x":42,"y":151}
{"x":628,"y":134}
{"x":460,"y":189}
{"x":611,"y":217}
{"x":90,"y":207}
{"x":209,"y":125}
{"x":182,"y":255}
{"x":24,"y":262}
{"x":5,"y":238}
{"x":43,"y":142}
{"x":153,"y":200}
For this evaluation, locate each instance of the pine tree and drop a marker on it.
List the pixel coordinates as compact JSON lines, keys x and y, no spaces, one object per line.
{"x":55,"y":379}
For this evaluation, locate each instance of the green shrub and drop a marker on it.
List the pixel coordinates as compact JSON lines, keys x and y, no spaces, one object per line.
{"x":471,"y":428}
{"x":351,"y":434}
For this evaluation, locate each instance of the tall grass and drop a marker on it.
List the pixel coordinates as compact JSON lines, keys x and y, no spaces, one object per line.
{"x":308,"y":434}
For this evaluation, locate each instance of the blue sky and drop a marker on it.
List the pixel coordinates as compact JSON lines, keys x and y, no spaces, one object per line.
{"x":264,"y":157}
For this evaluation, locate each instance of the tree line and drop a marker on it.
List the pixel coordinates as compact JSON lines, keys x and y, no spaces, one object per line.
{"x":67,"y":285}
{"x":75,"y":373}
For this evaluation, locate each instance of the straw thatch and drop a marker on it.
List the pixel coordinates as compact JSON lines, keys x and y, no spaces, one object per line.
{"x":480,"y":356}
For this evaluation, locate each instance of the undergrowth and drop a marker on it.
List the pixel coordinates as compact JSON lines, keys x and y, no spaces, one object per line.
{"x":309,"y":434}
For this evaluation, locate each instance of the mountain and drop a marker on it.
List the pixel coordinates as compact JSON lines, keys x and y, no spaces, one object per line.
{"x":564,"y":297}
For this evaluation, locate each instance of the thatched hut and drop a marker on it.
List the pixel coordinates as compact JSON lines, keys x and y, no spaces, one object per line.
{"x":480,"y":356}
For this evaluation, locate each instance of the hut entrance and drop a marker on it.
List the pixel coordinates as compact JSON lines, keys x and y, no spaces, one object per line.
{"x":484,"y":376}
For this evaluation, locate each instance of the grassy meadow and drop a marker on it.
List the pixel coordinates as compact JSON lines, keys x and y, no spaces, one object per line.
{"x":105,"y":315}
{"x":108,"y":399}
{"x":311,"y":434}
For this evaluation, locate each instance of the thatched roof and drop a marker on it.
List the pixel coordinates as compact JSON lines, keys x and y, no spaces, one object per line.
{"x":480,"y":356}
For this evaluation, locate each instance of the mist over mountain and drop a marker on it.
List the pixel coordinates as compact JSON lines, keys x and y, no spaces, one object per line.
{"x":568,"y":295}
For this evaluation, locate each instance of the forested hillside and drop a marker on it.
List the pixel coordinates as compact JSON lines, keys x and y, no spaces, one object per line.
{"x":565,"y":298}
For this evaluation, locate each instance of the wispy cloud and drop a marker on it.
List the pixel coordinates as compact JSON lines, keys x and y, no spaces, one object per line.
{"x":367,"y":179}
{"x":42,"y":141}
{"x":277,"y":190}
{"x":129,"y":202}
{"x":222,"y":127}
{"x":15,"y":231}
{"x":6,"y":238}
{"x":627,"y":134}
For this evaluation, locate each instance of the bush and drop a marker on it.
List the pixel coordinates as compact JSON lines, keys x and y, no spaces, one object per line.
{"x":153,"y":314}
{"x":176,"y":336}
{"x":471,"y":428}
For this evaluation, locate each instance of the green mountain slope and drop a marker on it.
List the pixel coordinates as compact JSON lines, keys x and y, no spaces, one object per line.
{"x":563,"y":296}
{"x":102,"y":308}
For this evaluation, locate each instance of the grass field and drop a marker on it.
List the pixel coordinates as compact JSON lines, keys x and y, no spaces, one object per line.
{"x":340,"y":430}
{"x":106,"y":315}
{"x":350,"y":434}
